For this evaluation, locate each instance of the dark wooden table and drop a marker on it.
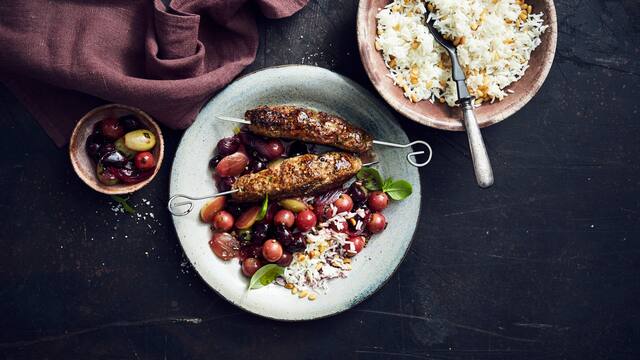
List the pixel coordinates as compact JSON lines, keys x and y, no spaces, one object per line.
{"x":542,"y":265}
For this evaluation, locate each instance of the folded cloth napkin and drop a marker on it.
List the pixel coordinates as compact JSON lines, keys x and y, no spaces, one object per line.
{"x":63,"y":57}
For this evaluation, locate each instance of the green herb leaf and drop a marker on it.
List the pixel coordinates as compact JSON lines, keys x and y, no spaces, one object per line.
{"x":371,"y":178}
{"x":387,"y":183}
{"x":265,"y":276}
{"x":399,"y":189}
{"x":263,"y":209}
{"x":123,"y":201}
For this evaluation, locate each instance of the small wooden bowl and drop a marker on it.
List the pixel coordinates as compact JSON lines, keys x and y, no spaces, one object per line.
{"x":442,"y":116}
{"x":85,"y":167}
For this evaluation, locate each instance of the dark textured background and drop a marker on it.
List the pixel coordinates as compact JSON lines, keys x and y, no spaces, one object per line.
{"x":542,"y":265}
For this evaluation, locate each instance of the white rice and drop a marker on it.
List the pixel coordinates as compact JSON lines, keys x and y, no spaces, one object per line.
{"x":312,"y":273}
{"x":493,"y":55}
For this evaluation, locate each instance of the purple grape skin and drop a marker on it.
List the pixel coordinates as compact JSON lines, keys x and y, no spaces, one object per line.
{"x":214,"y":162}
{"x":269,"y":149}
{"x":358,"y":193}
{"x":256,"y":165}
{"x":297,"y":148}
{"x":284,"y":235}
{"x":114,"y":158}
{"x":260,"y":233}
{"x":228,"y":145}
{"x":297,"y":244}
{"x":226,"y":183}
{"x":129,"y":123}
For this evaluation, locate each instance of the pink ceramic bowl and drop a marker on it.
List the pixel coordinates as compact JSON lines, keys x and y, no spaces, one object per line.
{"x":440,"y":115}
{"x":85,"y":167}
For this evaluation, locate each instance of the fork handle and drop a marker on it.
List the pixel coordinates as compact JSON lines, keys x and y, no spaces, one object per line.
{"x":479,"y":156}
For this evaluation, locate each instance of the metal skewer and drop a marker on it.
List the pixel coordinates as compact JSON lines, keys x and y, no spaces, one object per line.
{"x":173,"y":206}
{"x":410,"y":156}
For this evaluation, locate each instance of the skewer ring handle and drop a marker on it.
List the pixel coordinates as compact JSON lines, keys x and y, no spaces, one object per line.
{"x":174,"y":207}
{"x":411,"y":156}
{"x":177,"y":209}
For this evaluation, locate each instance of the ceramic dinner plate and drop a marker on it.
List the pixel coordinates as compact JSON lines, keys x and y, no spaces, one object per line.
{"x":326,"y":91}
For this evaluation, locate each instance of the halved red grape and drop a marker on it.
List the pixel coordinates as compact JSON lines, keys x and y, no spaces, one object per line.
{"x":224,"y":245}
{"x":248,"y":218}
{"x":211,"y":208}
{"x":232,"y":165}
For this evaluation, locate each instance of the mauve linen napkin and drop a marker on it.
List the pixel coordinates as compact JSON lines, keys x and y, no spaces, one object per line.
{"x":63,"y":57}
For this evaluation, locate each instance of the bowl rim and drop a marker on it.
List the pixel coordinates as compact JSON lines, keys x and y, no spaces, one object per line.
{"x":400,"y":105}
{"x":118,"y":189}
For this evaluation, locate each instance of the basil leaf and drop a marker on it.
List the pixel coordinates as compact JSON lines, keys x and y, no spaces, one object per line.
{"x":371,"y":178}
{"x":123,"y":201}
{"x":387,"y":183}
{"x":265,"y":276}
{"x":399,"y":189}
{"x":263,"y":209}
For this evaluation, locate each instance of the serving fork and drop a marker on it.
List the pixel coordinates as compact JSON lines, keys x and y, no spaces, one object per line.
{"x":479,"y":156}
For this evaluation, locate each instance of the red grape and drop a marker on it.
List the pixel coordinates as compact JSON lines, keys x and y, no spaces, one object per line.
{"x":284,"y":217}
{"x":145,"y":160}
{"x":285,"y":259}
{"x":250,"y":266}
{"x":211,"y":208}
{"x":228,"y":145}
{"x":378,"y":201}
{"x":248,"y":218}
{"x":224,"y":245}
{"x":232,"y":165}
{"x":270,"y":149}
{"x":111,"y":128}
{"x":377,"y":223}
{"x":357,"y":243}
{"x":223,"y":220}
{"x":343,"y":203}
{"x":272,"y":250}
{"x":306,"y":220}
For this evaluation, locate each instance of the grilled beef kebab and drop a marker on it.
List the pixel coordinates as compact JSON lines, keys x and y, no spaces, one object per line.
{"x":296,"y":123}
{"x":303,"y":175}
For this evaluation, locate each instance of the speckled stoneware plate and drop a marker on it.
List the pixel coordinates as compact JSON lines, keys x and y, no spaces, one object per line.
{"x":326,"y":91}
